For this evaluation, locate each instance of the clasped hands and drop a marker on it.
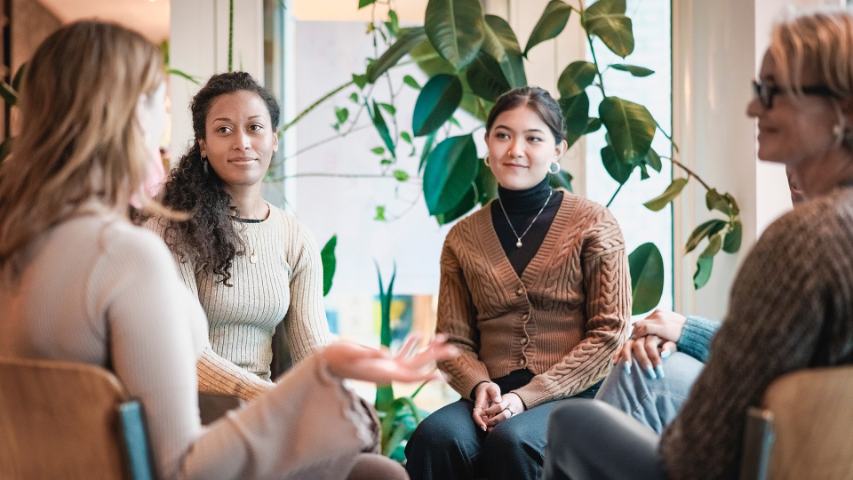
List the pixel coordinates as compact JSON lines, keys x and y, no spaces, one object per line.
{"x":652,"y":340}
{"x":492,"y":408}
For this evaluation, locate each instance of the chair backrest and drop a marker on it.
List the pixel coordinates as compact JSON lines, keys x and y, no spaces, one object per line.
{"x":68,"y":420}
{"x":805,"y":429}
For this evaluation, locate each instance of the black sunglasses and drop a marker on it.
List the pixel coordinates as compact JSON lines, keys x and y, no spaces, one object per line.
{"x":765,"y":93}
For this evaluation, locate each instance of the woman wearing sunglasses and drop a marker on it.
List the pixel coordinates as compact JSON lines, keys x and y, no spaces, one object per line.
{"x":801,"y":318}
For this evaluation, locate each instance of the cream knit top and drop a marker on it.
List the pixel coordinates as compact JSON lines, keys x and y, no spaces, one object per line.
{"x":100,"y":291}
{"x":562,"y":319}
{"x":284,"y":283}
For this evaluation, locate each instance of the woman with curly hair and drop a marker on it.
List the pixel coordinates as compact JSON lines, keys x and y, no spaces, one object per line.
{"x":252,"y":266}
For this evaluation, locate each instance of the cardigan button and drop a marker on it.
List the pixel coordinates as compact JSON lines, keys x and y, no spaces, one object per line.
{"x":524,"y":341}
{"x":525,"y":316}
{"x":522,"y":362}
{"x":520,"y":291}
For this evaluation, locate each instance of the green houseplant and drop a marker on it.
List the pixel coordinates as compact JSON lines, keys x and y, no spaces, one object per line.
{"x":470,"y":58}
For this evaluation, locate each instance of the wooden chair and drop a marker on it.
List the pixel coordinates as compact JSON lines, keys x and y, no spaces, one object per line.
{"x":68,"y":420}
{"x":805,"y":428}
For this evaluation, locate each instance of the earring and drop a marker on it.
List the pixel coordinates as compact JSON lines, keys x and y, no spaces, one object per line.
{"x":554,"y":168}
{"x":204,"y":165}
{"x":486,"y":160}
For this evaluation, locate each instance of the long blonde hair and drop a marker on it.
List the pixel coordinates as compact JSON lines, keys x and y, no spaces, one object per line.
{"x":79,"y":137}
{"x":819,"y":40}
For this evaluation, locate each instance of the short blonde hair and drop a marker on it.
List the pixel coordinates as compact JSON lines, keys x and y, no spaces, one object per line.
{"x":819,"y":40}
{"x":79,"y":137}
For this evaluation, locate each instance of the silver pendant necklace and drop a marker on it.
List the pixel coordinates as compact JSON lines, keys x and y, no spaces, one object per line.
{"x":517,"y":236}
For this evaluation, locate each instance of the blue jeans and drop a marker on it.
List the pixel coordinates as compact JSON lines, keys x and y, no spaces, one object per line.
{"x":653,"y":402}
{"x":616,"y":437}
{"x":447,"y":445}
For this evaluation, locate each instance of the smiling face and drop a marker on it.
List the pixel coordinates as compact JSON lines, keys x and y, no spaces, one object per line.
{"x":521,"y":148}
{"x":793,"y":130}
{"x":239,"y":138}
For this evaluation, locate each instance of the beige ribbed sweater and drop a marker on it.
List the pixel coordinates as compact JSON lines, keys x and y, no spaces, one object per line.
{"x":284,"y":285}
{"x":791,"y":307}
{"x":101,"y":291}
{"x":562,"y":319}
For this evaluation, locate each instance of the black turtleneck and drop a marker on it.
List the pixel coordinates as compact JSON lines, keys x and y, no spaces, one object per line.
{"x":521,"y":206}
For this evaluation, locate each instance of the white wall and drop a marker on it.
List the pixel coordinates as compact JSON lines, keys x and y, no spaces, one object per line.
{"x":199,"y":46}
{"x":717,"y":51}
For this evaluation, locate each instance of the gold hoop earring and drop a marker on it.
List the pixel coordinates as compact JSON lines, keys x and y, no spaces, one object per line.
{"x":486,"y":160}
{"x":554,"y":168}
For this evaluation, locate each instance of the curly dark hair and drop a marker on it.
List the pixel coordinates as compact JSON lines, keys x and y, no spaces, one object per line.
{"x":209,"y":238}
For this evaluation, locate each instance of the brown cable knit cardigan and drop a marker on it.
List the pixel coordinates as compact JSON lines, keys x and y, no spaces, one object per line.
{"x":562,"y":320}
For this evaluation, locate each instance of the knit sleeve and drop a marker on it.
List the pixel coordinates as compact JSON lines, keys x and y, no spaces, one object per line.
{"x":457,"y":318}
{"x":306,"y":327}
{"x":696,"y":336}
{"x":772,"y":328}
{"x":607,"y":283}
{"x":221,"y":376}
{"x":308,"y":426}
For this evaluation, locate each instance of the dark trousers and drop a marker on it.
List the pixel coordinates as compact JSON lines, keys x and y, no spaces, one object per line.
{"x":591,"y":440}
{"x":447,"y":445}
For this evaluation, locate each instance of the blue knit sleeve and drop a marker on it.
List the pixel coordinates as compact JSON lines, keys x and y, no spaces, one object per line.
{"x":696,"y":337}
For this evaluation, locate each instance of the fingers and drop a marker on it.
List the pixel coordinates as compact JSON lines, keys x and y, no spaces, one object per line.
{"x":479,"y":418}
{"x":494,"y":393}
{"x":667,"y":349}
{"x":646,"y":327}
{"x":409,"y":345}
{"x":624,"y":356}
{"x":652,"y":347}
{"x":642,"y":358}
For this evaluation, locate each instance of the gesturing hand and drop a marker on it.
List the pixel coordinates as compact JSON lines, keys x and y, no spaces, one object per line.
{"x":510,"y":406}
{"x":359,"y":362}
{"x":649,"y":352}
{"x":486,"y":394}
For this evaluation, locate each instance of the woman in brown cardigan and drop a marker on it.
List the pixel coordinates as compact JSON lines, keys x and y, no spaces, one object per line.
{"x":535,"y":290}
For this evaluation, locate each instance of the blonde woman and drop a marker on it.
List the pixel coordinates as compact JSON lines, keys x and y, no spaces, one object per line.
{"x":79,"y":282}
{"x":803,"y":318}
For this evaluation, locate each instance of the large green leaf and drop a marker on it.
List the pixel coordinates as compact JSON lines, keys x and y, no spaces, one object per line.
{"x":725,"y":203}
{"x":731,"y":244}
{"x":501,"y":44}
{"x":634,"y":70}
{"x":436,"y":103}
{"x":575,"y":78}
{"x":704,"y":266}
{"x":455,"y":29}
{"x":714,"y":244}
{"x":327,"y":256}
{"x":10,"y":96}
{"x":561,"y":179}
{"x":646,"y":264}
{"x":618,"y":170}
{"x":499,"y":38}
{"x":431,"y":63}
{"x":408,"y":39}
{"x":552,"y":21}
{"x":382,"y":128}
{"x":486,"y":183}
{"x":630,"y":126}
{"x":469,"y":201}
{"x":450,"y":169}
{"x":706,"y":229}
{"x":486,"y":78}
{"x":662,"y":200}
{"x":576,"y":113}
{"x":364,"y":3}
{"x":606,"y":19}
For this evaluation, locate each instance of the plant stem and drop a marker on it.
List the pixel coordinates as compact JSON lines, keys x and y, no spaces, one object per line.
{"x":314,"y":105}
{"x":325,"y":140}
{"x":597,"y":68}
{"x":230,"y":35}
{"x":690,"y":173}
{"x":613,"y":197}
{"x":668,"y":136}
